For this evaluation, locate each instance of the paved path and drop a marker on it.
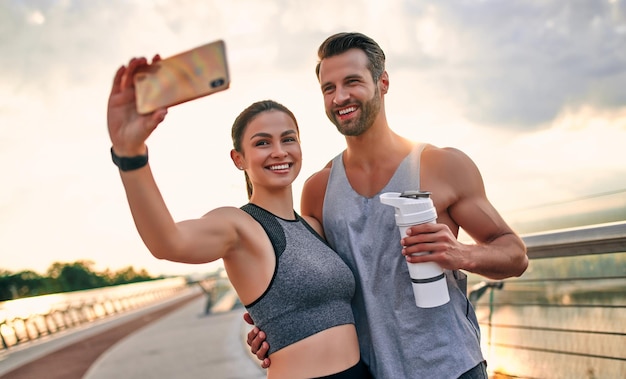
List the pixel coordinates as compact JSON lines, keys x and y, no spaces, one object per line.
{"x":174,"y":340}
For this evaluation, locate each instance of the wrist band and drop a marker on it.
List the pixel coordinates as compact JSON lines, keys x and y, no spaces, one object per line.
{"x":129,"y":163}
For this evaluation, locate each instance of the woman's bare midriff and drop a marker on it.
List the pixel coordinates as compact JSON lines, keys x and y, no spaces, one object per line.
{"x":327,"y":352}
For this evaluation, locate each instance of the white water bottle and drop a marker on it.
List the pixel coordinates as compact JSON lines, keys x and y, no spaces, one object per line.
{"x":429,"y":282}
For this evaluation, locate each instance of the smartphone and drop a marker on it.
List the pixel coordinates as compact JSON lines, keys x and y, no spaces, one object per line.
{"x":186,"y":76}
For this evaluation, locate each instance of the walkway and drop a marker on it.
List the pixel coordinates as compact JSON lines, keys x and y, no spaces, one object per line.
{"x":171,"y":340}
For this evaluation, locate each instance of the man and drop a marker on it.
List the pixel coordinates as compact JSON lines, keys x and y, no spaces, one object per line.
{"x":397,"y":339}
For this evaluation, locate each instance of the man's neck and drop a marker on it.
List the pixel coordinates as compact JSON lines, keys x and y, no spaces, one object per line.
{"x":370,"y":160}
{"x":377,"y":145}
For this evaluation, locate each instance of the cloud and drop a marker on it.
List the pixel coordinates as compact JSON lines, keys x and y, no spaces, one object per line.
{"x":505,"y":64}
{"x":519,"y":64}
{"x":531,"y":83}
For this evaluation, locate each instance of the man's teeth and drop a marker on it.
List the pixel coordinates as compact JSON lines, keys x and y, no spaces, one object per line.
{"x":280,"y":167}
{"x":347,"y":110}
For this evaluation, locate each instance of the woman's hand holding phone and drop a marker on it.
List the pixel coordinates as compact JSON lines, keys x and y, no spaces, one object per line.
{"x":142,"y":92}
{"x":192,"y":74}
{"x":128,"y":129}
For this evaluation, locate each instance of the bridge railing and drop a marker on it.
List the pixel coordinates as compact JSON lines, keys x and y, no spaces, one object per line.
{"x":29,"y":319}
{"x":566,"y":316}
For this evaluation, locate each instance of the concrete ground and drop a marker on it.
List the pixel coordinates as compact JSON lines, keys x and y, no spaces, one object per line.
{"x":174,"y":339}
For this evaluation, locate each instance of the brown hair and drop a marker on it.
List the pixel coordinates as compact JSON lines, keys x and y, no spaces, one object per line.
{"x":246,"y":116}
{"x":341,"y":42}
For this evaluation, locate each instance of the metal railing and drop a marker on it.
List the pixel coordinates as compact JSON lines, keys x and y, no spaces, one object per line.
{"x":29,"y":319}
{"x":566,"y":316}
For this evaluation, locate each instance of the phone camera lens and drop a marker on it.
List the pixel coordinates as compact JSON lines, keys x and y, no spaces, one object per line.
{"x":217,"y":83}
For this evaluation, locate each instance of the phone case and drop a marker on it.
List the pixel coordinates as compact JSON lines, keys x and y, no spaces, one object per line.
{"x":186,"y":76}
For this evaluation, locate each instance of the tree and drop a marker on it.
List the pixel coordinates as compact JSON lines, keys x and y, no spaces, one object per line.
{"x":65,"y":277}
{"x":79,"y":276}
{"x":129,"y":275}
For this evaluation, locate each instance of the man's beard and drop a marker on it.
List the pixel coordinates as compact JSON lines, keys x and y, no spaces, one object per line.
{"x":356,"y":127}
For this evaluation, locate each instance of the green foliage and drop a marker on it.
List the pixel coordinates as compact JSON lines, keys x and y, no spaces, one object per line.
{"x":128,"y":275}
{"x":65,"y":277}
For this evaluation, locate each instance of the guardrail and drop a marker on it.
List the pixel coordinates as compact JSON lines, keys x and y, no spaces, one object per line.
{"x":29,"y":319}
{"x":565,"y":317}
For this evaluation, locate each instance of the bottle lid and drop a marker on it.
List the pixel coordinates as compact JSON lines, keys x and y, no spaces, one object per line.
{"x":415,"y":194}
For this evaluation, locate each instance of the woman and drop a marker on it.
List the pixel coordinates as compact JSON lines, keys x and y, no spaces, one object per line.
{"x":294,"y":286}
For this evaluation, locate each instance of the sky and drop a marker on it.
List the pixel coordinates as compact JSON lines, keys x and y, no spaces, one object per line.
{"x":533,"y":91}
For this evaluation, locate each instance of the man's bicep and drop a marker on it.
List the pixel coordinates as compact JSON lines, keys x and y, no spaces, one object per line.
{"x":479,"y":219}
{"x":472,"y":211}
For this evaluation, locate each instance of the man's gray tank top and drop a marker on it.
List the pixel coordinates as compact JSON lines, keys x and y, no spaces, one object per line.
{"x":311,"y":288}
{"x":397,"y":339}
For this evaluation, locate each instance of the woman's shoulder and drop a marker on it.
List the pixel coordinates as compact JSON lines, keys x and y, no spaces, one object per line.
{"x":227,"y":211}
{"x":231,"y":217}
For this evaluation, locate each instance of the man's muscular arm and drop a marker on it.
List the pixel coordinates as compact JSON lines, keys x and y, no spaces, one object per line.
{"x":498,"y":252}
{"x":313,"y":192}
